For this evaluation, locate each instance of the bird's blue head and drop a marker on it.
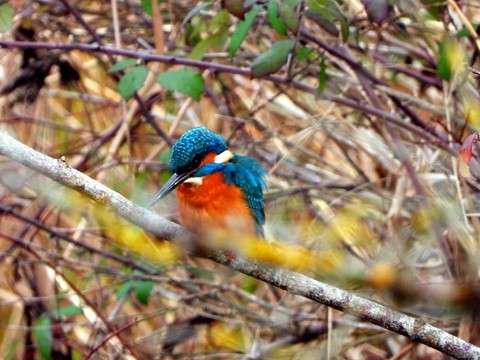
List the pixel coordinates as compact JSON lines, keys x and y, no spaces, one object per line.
{"x":187,"y":154}
{"x":191,"y":148}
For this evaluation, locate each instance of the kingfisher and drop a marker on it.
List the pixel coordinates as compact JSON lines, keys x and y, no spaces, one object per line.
{"x":216,"y":188}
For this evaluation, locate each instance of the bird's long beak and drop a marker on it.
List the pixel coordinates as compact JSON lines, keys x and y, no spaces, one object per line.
{"x":169,"y":186}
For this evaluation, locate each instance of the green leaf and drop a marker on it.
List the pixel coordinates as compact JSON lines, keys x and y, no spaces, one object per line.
{"x":322,"y":77}
{"x":6,"y":17}
{"x":220,"y":23}
{"x":123,"y":290}
{"x":186,"y":81}
{"x":241,"y":31}
{"x":132,"y":81}
{"x":289,"y":15}
{"x":42,"y":334}
{"x":195,"y":11}
{"x":435,"y":7}
{"x":122,"y":65}
{"x":203,"y":46}
{"x":66,"y":311}
{"x":249,"y":284}
{"x":328,"y":9}
{"x":291,"y":3}
{"x":204,"y":36}
{"x":451,"y":59}
{"x":463,"y":32}
{"x":273,"y":59}
{"x":345,"y":27}
{"x":326,"y":13}
{"x":76,"y":355}
{"x":304,"y":53}
{"x":200,"y":272}
{"x":147,"y":6}
{"x":276,"y":22}
{"x":143,"y":290}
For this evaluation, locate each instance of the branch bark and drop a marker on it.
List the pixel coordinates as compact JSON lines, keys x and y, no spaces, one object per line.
{"x":293,"y":282}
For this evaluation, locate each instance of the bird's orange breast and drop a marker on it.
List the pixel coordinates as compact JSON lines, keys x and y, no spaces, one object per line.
{"x":214,"y":205}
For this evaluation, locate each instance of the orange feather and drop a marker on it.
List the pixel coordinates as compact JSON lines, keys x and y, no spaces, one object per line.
{"x":214,"y":205}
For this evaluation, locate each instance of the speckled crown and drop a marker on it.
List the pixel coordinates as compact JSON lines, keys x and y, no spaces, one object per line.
{"x":192,"y":146}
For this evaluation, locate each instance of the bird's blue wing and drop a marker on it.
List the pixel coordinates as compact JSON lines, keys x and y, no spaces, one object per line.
{"x":247,"y":173}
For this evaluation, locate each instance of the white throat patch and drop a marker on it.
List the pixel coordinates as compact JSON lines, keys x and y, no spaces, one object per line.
{"x":195,"y":180}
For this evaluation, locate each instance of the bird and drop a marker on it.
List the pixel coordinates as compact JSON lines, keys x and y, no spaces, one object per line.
{"x":216,"y":188}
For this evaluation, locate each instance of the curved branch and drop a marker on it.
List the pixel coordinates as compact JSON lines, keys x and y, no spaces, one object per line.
{"x":293,"y":282}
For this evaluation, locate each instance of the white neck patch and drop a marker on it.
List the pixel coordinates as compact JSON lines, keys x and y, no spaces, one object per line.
{"x":223,"y":157}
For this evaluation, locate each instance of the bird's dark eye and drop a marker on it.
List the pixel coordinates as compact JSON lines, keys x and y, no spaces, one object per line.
{"x":194,"y":163}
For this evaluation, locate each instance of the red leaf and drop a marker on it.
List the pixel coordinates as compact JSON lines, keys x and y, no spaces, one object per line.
{"x":466,"y":150}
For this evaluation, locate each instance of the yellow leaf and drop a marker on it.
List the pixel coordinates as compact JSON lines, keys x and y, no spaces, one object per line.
{"x":290,"y":256}
{"x":382,"y":276}
{"x":471,"y":111}
{"x":135,"y":239}
{"x":226,"y":336}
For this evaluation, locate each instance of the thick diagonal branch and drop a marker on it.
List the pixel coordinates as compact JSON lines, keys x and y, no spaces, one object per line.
{"x":292,"y":282}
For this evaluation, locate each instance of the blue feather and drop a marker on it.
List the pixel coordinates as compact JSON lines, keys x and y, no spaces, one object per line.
{"x":193,"y":145}
{"x":247,"y":173}
{"x":208,"y":169}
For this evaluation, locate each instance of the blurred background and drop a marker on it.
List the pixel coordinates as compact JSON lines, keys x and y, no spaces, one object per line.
{"x":363,"y":112}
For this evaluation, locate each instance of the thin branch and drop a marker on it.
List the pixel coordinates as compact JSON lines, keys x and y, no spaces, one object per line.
{"x":86,"y":303}
{"x":294,"y":283}
{"x":143,"y":109}
{"x":343,"y":54}
{"x":108,"y":255}
{"x":224,"y":68}
{"x":76,"y":14}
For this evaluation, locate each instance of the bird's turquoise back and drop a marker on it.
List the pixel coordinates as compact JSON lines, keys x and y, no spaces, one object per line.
{"x":247,"y":173}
